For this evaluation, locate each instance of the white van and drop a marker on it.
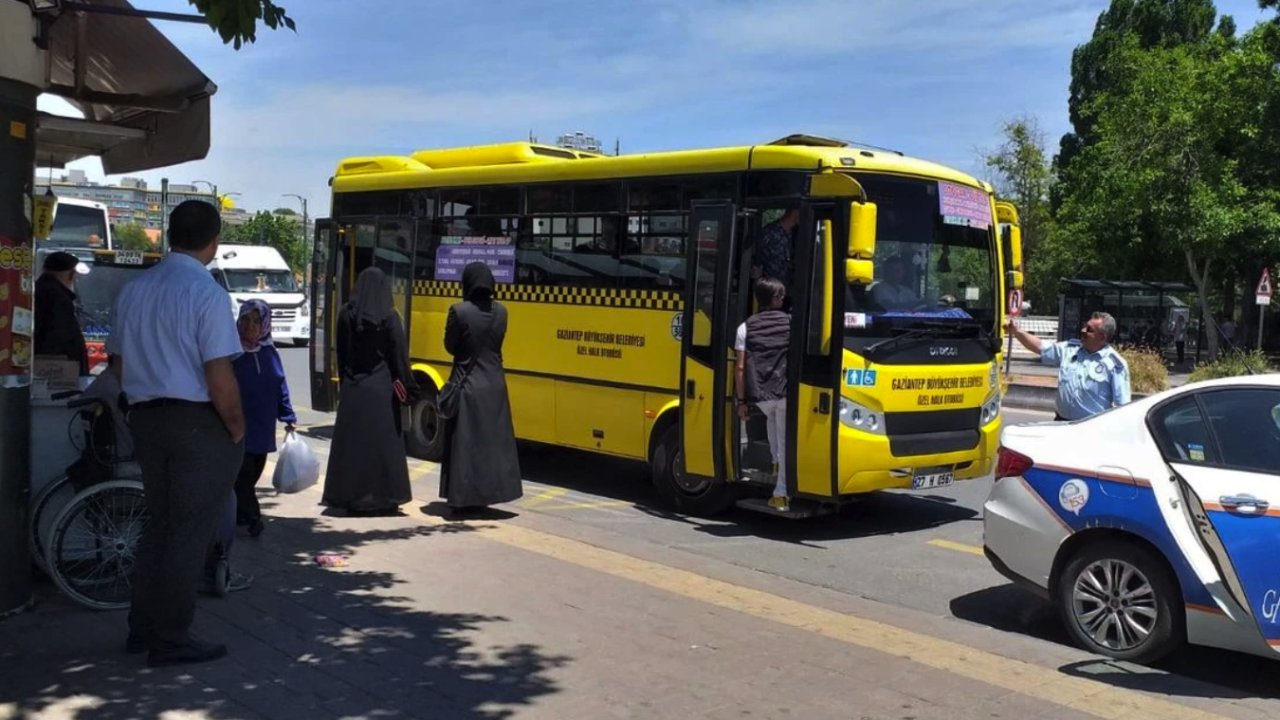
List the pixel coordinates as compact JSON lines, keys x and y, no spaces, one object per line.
{"x":79,"y":224}
{"x":259,"y":271}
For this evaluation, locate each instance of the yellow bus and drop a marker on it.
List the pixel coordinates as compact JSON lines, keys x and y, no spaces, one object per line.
{"x":627,"y":276}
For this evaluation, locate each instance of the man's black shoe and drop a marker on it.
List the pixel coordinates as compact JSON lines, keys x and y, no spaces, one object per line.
{"x":188,"y":653}
{"x":135,"y":644}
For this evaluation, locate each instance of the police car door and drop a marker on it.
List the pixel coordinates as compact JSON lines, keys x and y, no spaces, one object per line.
{"x":1223,"y":446}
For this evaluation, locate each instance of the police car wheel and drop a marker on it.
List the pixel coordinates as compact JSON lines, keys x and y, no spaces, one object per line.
{"x":1120,"y":600}
{"x":687,"y":495}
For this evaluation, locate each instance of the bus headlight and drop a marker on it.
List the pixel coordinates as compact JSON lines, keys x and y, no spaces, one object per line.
{"x":990,"y":408}
{"x":860,"y":417}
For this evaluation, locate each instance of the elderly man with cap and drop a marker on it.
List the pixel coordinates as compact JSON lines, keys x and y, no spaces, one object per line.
{"x":57,"y":327}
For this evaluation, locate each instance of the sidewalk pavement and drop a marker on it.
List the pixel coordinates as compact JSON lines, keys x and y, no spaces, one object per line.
{"x":531,"y":616}
{"x":1034,"y":386}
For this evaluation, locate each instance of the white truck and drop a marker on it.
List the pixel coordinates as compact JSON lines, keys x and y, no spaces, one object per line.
{"x":259,"y":271}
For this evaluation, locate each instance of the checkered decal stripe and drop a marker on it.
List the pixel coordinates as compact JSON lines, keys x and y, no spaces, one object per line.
{"x":643,"y":299}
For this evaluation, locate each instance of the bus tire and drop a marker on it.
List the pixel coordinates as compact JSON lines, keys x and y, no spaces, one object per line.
{"x":424,"y":438}
{"x":701,"y":499}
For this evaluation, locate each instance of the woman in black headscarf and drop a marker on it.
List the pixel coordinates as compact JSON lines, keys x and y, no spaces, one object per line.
{"x":368,"y":473}
{"x":480,"y":465}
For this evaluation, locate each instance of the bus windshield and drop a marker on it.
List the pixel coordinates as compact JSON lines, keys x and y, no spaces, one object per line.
{"x":259,"y":281}
{"x":96,"y":293}
{"x":78,"y":226}
{"x":934,"y":266}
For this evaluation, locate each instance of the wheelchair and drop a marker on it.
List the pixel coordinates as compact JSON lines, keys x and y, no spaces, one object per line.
{"x":85,"y":525}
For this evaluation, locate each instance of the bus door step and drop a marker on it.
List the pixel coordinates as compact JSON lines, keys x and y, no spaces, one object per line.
{"x":800,"y":509}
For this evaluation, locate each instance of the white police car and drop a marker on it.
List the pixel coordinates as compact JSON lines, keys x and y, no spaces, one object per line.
{"x":1152,"y":524}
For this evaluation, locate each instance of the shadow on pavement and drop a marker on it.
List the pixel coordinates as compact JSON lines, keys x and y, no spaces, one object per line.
{"x":304,"y":642}
{"x":628,"y":481}
{"x":1190,"y":672}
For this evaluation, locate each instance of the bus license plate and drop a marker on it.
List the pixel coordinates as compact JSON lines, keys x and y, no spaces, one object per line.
{"x":925,"y":481}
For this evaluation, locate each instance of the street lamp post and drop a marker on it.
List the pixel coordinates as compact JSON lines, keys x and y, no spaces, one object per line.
{"x":306,"y":247}
{"x":212,"y":187}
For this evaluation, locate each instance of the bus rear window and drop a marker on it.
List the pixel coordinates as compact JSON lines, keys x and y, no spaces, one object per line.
{"x":76,"y":226}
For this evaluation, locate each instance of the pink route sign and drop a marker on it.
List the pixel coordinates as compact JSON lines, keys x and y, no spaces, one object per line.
{"x":961,"y":205}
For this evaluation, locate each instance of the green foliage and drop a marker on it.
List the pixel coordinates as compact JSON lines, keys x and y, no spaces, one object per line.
{"x":1149,"y":24}
{"x":1233,"y":365}
{"x":131,"y":236}
{"x":236,"y":21}
{"x":280,"y":232}
{"x":1023,"y":176}
{"x":1147,"y":372}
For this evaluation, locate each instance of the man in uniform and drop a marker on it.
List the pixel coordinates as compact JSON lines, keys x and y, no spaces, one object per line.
{"x":175,"y":342}
{"x":1092,"y":376}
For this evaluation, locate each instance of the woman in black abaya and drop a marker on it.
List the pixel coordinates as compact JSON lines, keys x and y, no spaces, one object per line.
{"x":480,"y":465}
{"x":368,"y":473}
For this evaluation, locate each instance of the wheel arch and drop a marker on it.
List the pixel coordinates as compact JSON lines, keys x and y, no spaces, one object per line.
{"x":424,"y":374}
{"x":666,"y":417}
{"x":1093,"y":536}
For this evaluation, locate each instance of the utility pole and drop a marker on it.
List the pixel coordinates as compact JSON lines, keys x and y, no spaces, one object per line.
{"x":21,"y":79}
{"x":306,"y":241}
{"x":164,"y":215}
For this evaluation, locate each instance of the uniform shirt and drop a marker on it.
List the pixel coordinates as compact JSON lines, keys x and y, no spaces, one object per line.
{"x":168,"y":323}
{"x":1088,"y":382}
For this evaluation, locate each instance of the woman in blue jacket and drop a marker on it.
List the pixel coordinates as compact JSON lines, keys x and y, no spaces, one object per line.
{"x":264,"y":393}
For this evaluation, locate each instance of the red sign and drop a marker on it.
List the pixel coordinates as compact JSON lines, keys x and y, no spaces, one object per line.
{"x":16,"y":287}
{"x":1264,"y":285}
{"x":1015,"y":303}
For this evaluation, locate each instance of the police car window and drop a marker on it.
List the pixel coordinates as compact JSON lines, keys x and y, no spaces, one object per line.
{"x":1182,"y":434}
{"x":1244,"y":422}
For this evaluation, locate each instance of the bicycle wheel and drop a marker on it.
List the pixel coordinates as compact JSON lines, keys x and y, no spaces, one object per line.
{"x":93,"y":546}
{"x":45,"y":507}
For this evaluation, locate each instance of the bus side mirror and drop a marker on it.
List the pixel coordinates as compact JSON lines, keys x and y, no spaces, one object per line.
{"x":1013,"y":279}
{"x":1015,"y":250}
{"x":858,"y":272}
{"x":862,"y":230}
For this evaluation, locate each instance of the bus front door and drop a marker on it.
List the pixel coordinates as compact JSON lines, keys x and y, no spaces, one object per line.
{"x":814,"y":365}
{"x":706,"y":406}
{"x":323,"y":293}
{"x":342,"y":251}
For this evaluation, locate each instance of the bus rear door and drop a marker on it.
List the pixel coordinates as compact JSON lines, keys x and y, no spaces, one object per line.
{"x":706,"y":407}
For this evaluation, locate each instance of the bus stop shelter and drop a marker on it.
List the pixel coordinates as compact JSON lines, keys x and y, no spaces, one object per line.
{"x":145,"y":106}
{"x":1145,"y":312}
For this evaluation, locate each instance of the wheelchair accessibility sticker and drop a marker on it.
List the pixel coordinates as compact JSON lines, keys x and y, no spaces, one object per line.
{"x":865,"y":378}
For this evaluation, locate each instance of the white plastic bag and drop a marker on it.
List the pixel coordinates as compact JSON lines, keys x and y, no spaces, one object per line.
{"x":297,"y":468}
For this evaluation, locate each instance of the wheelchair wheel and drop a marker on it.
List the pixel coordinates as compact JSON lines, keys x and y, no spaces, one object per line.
{"x":45,"y":507}
{"x":93,"y":545}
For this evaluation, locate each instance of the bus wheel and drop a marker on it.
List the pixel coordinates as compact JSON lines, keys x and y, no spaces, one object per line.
{"x":425,"y":437}
{"x":693,"y":496}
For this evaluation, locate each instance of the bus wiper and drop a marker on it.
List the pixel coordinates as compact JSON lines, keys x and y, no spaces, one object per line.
{"x":922,"y":333}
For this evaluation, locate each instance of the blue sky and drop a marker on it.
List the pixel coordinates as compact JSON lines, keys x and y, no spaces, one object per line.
{"x":933,"y":78}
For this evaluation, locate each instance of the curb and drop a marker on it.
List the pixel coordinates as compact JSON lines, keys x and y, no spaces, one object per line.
{"x":1031,"y":397}
{"x":1038,"y":397}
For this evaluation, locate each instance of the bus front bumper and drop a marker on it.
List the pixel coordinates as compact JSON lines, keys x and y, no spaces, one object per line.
{"x":868,"y":463}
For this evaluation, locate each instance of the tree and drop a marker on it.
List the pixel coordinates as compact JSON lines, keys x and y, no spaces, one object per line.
{"x":237,"y":20}
{"x":1149,"y":23}
{"x":1023,"y":176}
{"x":264,"y":228}
{"x":131,"y":236}
{"x":284,"y":211}
{"x":1162,"y":178}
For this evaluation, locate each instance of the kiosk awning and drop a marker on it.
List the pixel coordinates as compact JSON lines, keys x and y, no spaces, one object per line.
{"x":145,"y":104}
